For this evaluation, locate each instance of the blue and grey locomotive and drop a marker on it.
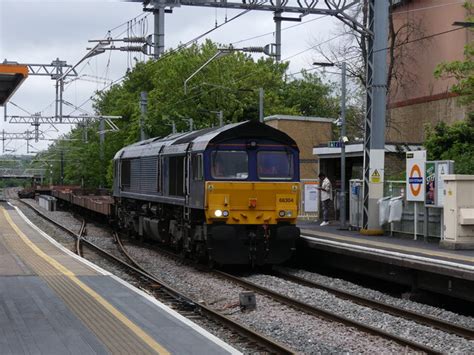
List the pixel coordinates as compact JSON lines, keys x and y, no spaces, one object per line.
{"x":227,"y":194}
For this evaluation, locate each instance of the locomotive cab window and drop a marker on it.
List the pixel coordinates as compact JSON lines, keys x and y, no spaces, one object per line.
{"x":230,"y":164}
{"x":197,"y":167}
{"x":275,"y":165}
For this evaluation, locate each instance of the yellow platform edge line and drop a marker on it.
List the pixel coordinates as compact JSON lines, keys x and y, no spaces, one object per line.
{"x":398,"y":248}
{"x":63,"y":270}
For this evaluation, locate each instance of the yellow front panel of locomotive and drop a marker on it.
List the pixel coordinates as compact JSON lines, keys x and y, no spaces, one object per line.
{"x":252,"y":202}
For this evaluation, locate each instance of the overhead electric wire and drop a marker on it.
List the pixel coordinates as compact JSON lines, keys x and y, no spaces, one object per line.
{"x":283,"y":29}
{"x":403,"y":44}
{"x":170,"y":52}
{"x":317,"y":45}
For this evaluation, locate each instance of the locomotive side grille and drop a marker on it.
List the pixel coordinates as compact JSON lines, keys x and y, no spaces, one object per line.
{"x":135,"y":175}
{"x":149,"y":173}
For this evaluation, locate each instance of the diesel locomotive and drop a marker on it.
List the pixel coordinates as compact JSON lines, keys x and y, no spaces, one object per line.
{"x":226,"y":195}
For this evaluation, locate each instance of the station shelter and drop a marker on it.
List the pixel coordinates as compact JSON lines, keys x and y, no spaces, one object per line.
{"x":330,"y":163}
{"x":12,"y":76}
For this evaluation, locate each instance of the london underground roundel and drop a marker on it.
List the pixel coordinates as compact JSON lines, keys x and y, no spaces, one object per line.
{"x":415,"y":180}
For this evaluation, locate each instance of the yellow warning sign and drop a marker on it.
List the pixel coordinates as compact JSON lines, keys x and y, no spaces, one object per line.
{"x":375,"y":177}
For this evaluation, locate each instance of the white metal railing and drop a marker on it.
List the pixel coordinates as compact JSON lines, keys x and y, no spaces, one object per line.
{"x":394,"y":188}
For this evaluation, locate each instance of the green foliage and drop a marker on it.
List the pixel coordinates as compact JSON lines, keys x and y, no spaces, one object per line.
{"x":310,"y":97}
{"x":455,"y":142}
{"x":228,"y":83}
{"x":461,"y":70}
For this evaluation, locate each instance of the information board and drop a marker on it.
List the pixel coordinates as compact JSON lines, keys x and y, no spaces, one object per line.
{"x":311,"y":197}
{"x":434,"y":189}
{"x":415,"y":175}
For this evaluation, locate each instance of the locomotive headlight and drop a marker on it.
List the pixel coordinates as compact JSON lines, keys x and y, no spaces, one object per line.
{"x":225,"y":213}
{"x":281,"y":213}
{"x":288,"y":213}
{"x":218,"y":213}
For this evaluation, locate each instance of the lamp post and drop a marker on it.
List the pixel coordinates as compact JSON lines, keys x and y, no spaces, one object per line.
{"x":342,"y":140}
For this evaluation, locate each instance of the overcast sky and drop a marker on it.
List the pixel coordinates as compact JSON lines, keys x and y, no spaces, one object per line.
{"x":41,"y":31}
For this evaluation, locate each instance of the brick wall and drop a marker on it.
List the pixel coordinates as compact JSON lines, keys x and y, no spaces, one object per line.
{"x":307,"y":134}
{"x":406,"y":123}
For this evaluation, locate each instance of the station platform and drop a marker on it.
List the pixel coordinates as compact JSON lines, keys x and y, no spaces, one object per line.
{"x":54,"y":302}
{"x":418,"y":265}
{"x":401,"y":251}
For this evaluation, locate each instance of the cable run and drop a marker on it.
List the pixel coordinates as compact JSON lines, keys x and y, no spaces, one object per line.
{"x":317,"y":45}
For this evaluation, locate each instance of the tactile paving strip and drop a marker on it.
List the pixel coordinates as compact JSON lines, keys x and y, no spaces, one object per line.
{"x":117,"y":333}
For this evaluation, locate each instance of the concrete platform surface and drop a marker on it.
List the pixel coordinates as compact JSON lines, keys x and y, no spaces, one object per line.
{"x":54,"y":302}
{"x":391,"y":244}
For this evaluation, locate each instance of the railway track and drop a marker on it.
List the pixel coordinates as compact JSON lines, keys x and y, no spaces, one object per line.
{"x":423,"y":319}
{"x":445,"y":326}
{"x":184,"y":305}
{"x":320,"y":312}
{"x":407,"y":314}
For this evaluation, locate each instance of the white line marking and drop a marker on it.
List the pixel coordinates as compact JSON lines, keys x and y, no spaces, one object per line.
{"x":391,"y":253}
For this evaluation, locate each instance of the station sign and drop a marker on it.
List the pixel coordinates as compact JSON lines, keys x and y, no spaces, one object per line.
{"x":434,"y":183}
{"x":415,"y":175}
{"x":334,"y":144}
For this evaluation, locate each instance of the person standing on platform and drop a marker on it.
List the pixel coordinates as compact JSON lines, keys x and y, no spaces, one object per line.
{"x":326,"y":197}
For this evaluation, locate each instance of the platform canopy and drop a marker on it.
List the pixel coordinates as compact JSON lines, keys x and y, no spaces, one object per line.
{"x":11,"y":77}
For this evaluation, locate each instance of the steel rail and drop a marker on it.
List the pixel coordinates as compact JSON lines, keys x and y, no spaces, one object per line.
{"x":255,"y":337}
{"x":79,"y":237}
{"x":420,"y":318}
{"x":313,"y":310}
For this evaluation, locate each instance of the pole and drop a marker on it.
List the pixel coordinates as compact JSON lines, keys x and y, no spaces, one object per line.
{"x":415,"y":221}
{"x":343,"y":147}
{"x":101,"y":151}
{"x":143,"y":110}
{"x":260,"y":104}
{"x":374,"y":140}
{"x":159,"y":29}
{"x":277,"y":18}
{"x":220,"y":116}
{"x":62,"y":167}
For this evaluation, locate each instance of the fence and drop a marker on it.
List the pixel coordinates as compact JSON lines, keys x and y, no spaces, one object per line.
{"x":429,"y":228}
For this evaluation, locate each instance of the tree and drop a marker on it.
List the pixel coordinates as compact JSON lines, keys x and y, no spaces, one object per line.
{"x":462,"y":71}
{"x":455,"y":142}
{"x":228,"y":84}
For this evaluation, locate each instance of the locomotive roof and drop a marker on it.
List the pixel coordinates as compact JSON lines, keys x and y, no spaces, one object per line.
{"x":178,"y":143}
